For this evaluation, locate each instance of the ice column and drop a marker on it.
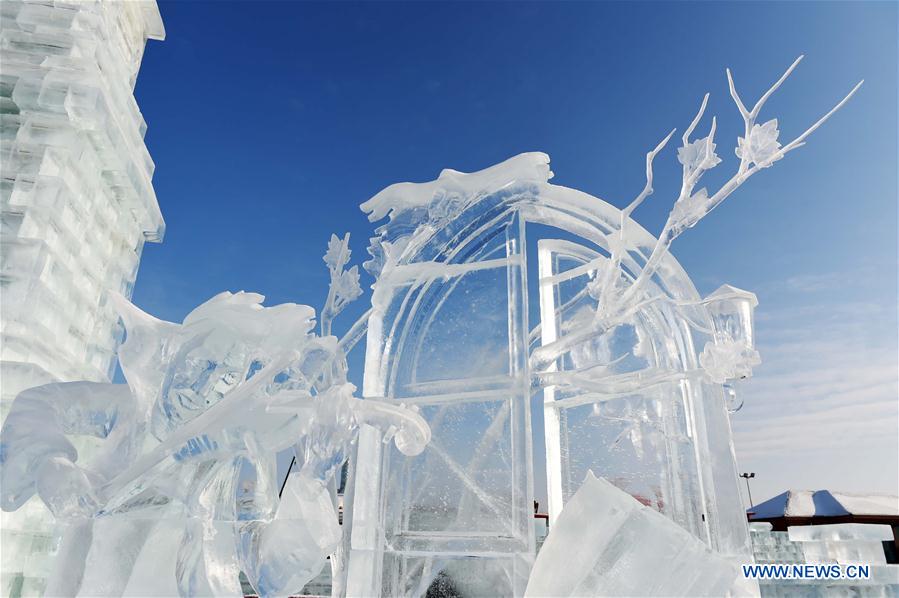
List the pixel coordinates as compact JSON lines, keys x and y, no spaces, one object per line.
{"x":77,"y":207}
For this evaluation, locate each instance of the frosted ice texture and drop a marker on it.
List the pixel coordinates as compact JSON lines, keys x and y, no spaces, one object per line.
{"x":188,"y":453}
{"x":605,"y":543}
{"x":77,"y":207}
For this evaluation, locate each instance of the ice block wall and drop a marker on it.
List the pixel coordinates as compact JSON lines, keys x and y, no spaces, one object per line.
{"x":77,"y":207}
{"x":838,"y":543}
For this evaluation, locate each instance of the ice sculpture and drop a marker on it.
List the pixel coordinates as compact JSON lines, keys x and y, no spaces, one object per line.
{"x":78,"y":207}
{"x":637,"y":371}
{"x":605,"y":543}
{"x":182,"y":494}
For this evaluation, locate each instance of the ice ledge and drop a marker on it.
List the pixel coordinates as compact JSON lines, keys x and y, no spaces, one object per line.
{"x":152,"y":20}
{"x":400,"y":197}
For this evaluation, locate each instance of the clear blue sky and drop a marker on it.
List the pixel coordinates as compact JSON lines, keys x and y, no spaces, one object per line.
{"x":270,"y":122}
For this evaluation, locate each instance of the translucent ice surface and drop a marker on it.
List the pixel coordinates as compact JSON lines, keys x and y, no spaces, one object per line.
{"x":605,"y":543}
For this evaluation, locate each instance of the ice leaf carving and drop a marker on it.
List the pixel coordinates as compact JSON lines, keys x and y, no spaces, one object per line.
{"x":758,"y":149}
{"x":762,"y":148}
{"x":698,"y":155}
{"x":690,"y":210}
{"x":338,"y":253}
{"x":346,"y":286}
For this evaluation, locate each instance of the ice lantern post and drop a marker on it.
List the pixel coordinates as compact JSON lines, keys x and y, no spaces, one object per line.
{"x":730,"y":354}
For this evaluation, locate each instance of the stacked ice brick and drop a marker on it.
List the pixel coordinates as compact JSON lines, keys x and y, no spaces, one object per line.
{"x":774,"y":547}
{"x":844,"y":544}
{"x":77,"y":206}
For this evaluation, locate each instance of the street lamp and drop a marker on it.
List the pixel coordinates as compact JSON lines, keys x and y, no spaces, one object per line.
{"x":747,"y":476}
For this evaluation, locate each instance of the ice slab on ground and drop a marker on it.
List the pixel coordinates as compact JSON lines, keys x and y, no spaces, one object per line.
{"x":606,"y":543}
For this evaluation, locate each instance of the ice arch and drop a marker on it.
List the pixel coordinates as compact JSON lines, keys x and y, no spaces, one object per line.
{"x":449,"y":333}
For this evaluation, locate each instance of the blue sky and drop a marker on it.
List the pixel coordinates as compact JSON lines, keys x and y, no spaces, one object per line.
{"x":270,"y":122}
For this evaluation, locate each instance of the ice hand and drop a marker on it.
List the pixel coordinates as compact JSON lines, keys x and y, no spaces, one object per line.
{"x":65,"y":489}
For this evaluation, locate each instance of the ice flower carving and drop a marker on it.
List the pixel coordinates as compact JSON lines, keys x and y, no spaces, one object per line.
{"x":698,"y":155}
{"x":762,"y":148}
{"x":728,"y":360}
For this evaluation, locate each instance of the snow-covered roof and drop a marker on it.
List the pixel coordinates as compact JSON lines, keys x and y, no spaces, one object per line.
{"x":824,"y":503}
{"x":869,"y":504}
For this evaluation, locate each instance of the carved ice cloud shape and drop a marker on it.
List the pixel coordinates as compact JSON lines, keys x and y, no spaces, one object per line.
{"x":411,"y":206}
{"x":400,"y":197}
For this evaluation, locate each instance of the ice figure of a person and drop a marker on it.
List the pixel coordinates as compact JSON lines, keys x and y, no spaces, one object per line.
{"x":182,"y":494}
